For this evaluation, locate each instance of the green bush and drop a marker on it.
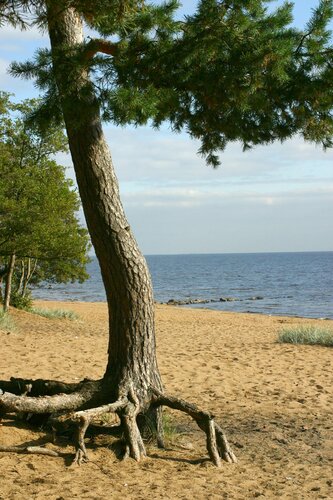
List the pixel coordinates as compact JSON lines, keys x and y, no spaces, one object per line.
{"x":21,"y":302}
{"x":307,"y":334}
{"x":55,"y":313}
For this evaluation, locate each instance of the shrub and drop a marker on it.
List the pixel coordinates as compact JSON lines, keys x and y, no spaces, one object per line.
{"x":307,"y":334}
{"x":55,"y":313}
{"x":21,"y":302}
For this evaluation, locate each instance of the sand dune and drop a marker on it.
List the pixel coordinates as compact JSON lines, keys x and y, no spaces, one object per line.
{"x":275,"y":402}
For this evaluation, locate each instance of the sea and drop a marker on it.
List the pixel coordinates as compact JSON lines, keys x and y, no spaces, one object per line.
{"x":289,"y":284}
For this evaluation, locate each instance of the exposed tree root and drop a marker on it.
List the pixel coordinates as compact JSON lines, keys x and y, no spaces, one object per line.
{"x":225,"y":449}
{"x":84,"y":418}
{"x":101,"y":410}
{"x":159,"y":428}
{"x":49,"y":404}
{"x":32,"y":450}
{"x":217,"y":444}
{"x":85,"y":401}
{"x":81,"y":451}
{"x":134,"y":443}
{"x":39,"y":387}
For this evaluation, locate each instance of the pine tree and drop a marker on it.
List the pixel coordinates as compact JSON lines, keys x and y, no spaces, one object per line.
{"x":233,"y":71}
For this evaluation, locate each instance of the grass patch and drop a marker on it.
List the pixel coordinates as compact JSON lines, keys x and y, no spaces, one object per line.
{"x":169,"y":427}
{"x":54,"y":313}
{"x":307,"y":334}
{"x":6,"y":322}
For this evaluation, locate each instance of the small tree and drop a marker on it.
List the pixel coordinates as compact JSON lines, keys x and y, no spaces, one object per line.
{"x":38,"y":223}
{"x":232,"y":71}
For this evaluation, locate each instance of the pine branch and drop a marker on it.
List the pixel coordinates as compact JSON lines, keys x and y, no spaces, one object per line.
{"x":96,"y":45}
{"x":327,"y":52}
{"x":9,"y":14}
{"x":304,"y":37}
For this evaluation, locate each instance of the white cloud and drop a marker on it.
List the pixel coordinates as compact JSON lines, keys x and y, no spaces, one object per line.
{"x":271,"y":199}
{"x":10,"y":34}
{"x":276,"y":197}
{"x":163,"y":157}
{"x":237,"y":225}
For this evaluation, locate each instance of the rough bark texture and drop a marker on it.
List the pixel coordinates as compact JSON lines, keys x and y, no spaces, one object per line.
{"x":131,"y":386}
{"x":124,"y":270}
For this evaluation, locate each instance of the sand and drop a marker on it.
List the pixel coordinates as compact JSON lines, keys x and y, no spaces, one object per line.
{"x":275,"y":402}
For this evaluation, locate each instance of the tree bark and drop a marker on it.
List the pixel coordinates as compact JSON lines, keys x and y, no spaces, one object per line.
{"x":28,"y":275}
{"x":131,"y":355}
{"x":19,"y":286}
{"x":131,"y":386}
{"x":8,"y":286}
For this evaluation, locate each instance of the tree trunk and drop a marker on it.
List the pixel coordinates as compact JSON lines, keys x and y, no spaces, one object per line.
{"x":19,"y":286}
{"x":28,"y":275}
{"x":131,"y":357}
{"x":3,"y":273}
{"x":131,"y":386}
{"x":8,"y":286}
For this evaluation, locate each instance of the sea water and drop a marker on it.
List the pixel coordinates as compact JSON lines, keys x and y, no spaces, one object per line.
{"x":293,"y":284}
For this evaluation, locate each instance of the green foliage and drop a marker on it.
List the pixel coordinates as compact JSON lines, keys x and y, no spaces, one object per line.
{"x":21,"y":301}
{"x":307,"y":334}
{"x":38,"y":205}
{"x":233,"y":71}
{"x":54,"y":313}
{"x":169,"y":428}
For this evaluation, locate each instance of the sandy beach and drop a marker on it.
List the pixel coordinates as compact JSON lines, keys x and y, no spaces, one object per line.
{"x":274,"y":401}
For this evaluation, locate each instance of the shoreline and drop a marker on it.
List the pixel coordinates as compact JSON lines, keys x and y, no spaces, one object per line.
{"x":193,"y":307}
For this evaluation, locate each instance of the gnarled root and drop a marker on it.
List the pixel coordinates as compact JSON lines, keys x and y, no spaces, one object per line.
{"x":84,"y":418}
{"x":87,"y":391}
{"x":57,"y":405}
{"x":159,"y":428}
{"x":81,"y":403}
{"x":39,"y":387}
{"x":134,"y":443}
{"x":81,"y":451}
{"x":217,"y":444}
{"x":127,"y":407}
{"x":225,"y":449}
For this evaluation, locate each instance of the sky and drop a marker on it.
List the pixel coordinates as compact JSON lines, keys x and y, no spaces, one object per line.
{"x":276,"y":198}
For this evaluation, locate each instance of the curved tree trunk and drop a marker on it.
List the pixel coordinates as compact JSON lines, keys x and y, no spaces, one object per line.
{"x":126,"y":278}
{"x":131,"y":386}
{"x":132,"y":366}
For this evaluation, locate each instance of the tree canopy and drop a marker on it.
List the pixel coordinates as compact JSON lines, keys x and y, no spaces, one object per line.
{"x":38,"y":205}
{"x":233,"y":71}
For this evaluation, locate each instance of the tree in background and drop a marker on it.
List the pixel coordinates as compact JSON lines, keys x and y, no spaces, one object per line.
{"x":233,"y":71}
{"x":40,"y":235}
